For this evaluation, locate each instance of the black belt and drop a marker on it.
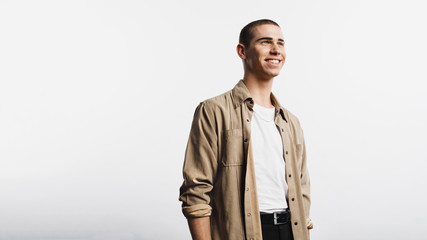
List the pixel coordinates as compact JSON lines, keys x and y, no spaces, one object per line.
{"x":276,"y":218}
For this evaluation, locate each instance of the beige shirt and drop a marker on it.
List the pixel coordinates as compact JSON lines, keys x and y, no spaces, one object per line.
{"x":219,"y":176}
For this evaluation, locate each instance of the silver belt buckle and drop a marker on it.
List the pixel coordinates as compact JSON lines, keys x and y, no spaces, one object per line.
{"x":275,"y":217}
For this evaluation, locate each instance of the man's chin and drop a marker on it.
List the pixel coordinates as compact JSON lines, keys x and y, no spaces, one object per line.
{"x":274,"y":74}
{"x":268,"y":75}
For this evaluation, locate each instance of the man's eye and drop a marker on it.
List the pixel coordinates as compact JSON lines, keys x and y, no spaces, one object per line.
{"x":265,"y":42}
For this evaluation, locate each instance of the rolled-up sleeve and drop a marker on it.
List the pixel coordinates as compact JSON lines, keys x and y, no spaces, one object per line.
{"x":200,"y":164}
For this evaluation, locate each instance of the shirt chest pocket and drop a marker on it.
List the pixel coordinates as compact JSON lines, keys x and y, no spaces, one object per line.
{"x":299,"y":150}
{"x":232,"y":148}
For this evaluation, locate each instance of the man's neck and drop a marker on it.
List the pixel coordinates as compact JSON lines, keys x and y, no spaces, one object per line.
{"x":260,"y":90}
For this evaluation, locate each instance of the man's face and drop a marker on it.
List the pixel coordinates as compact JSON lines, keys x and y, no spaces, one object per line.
{"x":265,"y":55}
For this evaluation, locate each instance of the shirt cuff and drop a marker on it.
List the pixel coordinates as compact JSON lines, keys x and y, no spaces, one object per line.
{"x":198,"y":210}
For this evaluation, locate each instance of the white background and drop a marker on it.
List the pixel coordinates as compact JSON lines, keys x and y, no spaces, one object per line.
{"x":97,"y":98}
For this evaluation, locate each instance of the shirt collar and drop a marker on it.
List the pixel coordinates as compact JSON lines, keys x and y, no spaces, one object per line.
{"x":241,"y":94}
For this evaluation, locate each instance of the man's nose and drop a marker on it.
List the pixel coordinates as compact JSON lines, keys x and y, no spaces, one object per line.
{"x":274,"y":49}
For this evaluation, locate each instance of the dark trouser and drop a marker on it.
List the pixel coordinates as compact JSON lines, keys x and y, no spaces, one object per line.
{"x":274,"y":231}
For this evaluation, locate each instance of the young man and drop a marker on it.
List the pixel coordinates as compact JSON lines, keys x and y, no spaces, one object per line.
{"x":245,"y":172}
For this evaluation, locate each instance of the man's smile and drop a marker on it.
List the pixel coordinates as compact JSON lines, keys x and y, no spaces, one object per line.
{"x":273,"y":60}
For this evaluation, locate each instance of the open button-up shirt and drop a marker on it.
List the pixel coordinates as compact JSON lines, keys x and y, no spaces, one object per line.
{"x":219,"y":175}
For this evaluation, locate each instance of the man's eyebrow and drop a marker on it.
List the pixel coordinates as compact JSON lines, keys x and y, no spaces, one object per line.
{"x":268,"y":38}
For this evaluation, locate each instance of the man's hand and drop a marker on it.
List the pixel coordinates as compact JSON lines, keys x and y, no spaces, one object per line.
{"x":200,"y":228}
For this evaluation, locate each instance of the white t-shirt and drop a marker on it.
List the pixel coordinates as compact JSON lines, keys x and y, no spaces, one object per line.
{"x":269,"y":162}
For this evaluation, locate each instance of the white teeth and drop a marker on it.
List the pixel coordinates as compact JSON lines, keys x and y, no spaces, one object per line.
{"x":273,"y":61}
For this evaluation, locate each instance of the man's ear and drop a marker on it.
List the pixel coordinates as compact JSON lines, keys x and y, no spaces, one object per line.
{"x":241,"y":51}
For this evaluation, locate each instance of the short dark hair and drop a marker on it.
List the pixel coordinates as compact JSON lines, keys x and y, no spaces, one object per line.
{"x":246,"y":34}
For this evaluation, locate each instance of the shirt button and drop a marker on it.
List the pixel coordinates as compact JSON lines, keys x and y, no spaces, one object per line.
{"x":247,"y":120}
{"x":293,"y":199}
{"x":247,"y":189}
{"x":296,"y":223}
{"x":249,"y":214}
{"x":283,"y":130}
{"x":286,"y":152}
{"x":290,"y":175}
{"x":246,"y":140}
